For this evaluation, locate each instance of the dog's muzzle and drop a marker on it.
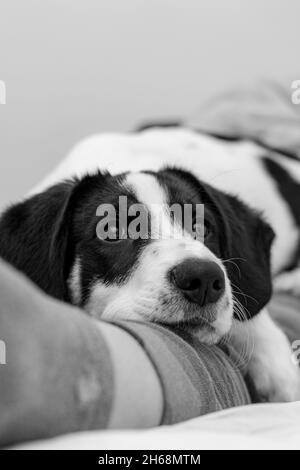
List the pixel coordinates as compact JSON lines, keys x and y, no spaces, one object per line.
{"x":201,"y":282}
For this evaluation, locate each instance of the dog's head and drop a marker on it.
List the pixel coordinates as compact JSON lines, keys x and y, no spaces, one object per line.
{"x":141,"y":261}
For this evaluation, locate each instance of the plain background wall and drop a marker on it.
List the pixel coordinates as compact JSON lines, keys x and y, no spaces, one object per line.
{"x":76,"y":67}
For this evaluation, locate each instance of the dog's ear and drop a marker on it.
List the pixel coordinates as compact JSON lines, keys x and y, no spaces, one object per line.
{"x":248,"y":251}
{"x":35,"y":236}
{"x":245,"y":241}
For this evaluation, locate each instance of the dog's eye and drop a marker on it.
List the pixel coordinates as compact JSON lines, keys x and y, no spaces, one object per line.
{"x":115,"y":234}
{"x":203,"y":230}
{"x":112,"y":233}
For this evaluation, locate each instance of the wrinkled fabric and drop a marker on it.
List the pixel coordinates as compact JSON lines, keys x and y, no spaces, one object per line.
{"x":263,"y":112}
{"x":196,"y":378}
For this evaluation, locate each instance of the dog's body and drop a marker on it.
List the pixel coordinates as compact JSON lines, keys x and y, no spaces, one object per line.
{"x":176,"y":280}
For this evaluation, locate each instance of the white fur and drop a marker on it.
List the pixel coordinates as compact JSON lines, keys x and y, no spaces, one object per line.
{"x":288,"y":282}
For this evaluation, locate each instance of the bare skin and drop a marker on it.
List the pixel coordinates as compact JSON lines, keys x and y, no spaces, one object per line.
{"x":52,"y":381}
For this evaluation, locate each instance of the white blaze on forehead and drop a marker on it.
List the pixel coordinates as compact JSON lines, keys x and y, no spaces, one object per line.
{"x":146,"y":188}
{"x":149,"y":192}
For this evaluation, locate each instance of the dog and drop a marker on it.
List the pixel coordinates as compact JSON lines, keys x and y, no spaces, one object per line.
{"x":213,"y":287}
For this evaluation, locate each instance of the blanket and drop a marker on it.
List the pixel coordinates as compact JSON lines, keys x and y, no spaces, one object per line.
{"x":263,"y":112}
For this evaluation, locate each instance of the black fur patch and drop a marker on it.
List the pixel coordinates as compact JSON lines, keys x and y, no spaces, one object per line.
{"x":164,"y":123}
{"x":237,"y":138}
{"x":290,"y":191}
{"x":288,"y":187}
{"x":241,"y":237}
{"x":27,"y":234}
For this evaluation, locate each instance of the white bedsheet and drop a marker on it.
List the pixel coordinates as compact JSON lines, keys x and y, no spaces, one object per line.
{"x":262,"y":426}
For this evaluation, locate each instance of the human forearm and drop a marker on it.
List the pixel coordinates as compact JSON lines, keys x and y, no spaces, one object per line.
{"x":66,"y":372}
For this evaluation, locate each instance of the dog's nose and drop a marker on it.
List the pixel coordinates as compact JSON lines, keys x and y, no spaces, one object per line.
{"x":202,"y":282}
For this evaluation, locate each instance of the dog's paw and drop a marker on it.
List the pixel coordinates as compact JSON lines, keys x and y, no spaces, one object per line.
{"x":273,"y":372}
{"x":288,"y":282}
{"x":275,"y":379}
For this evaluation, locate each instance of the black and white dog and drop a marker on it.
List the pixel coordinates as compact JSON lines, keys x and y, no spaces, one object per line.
{"x":215,"y":287}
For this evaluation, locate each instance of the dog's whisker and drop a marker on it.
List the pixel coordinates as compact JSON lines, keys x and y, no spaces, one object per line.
{"x":247,"y":347}
{"x":242,"y":293}
{"x":234,"y":264}
{"x":243,"y":353}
